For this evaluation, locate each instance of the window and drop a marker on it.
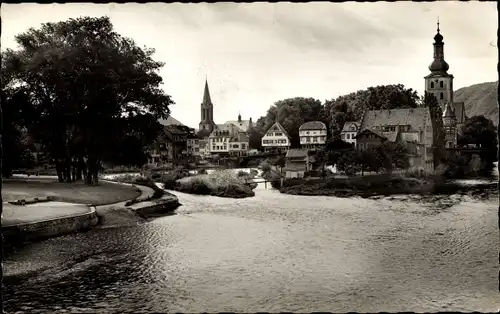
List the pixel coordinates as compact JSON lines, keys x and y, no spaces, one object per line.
{"x":236,"y":146}
{"x":315,"y":139}
{"x":307,"y":132}
{"x":243,"y":146}
{"x":432,"y":84}
{"x":441,"y":95}
{"x":441,"y":84}
{"x":308,"y":139}
{"x":278,"y":134}
{"x":348,"y":136}
{"x":342,"y":136}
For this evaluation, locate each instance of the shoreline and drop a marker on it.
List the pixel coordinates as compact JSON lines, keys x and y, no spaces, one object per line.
{"x":364,"y":187}
{"x":38,"y":228}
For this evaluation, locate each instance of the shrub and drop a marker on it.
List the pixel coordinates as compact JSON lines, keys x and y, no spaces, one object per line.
{"x":202,"y":171}
{"x":254,"y":172}
{"x":199,"y":186}
{"x":242,"y":173}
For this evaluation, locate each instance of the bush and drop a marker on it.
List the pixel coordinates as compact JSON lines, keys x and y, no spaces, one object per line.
{"x":202,"y":171}
{"x":242,"y":173}
{"x":200,"y":187}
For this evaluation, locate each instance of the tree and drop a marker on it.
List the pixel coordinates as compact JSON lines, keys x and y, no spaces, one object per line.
{"x":291,"y":113}
{"x":88,"y":88}
{"x":480,"y":131}
{"x":439,"y":135}
{"x":254,"y":139}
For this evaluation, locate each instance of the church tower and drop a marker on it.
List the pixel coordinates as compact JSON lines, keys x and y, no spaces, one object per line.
{"x":439,"y":82}
{"x":450,"y":126}
{"x":207,"y":111}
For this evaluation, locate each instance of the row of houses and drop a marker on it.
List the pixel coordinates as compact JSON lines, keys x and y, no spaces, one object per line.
{"x":411,"y":127}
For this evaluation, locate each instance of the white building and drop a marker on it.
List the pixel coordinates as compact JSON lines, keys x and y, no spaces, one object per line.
{"x":312,"y":134}
{"x":228,"y":139}
{"x":238,"y":144}
{"x":349,"y":131}
{"x":276,"y":138}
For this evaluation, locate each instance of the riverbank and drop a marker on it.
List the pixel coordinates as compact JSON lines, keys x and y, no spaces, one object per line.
{"x":42,"y":207}
{"x":377,"y":185}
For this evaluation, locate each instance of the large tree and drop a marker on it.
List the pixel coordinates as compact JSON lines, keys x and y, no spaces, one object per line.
{"x":88,"y":88}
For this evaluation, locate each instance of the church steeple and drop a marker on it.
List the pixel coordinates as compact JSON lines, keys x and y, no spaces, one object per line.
{"x":207,"y":110}
{"x":206,"y":95}
{"x":438,"y":65}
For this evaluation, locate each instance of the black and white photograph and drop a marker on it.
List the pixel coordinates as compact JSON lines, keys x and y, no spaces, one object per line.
{"x":250,"y":157}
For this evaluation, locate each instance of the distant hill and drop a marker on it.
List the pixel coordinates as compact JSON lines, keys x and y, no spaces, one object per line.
{"x":480,"y":99}
{"x":170,"y":121}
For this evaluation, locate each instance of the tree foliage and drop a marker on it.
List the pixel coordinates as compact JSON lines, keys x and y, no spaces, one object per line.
{"x":439,"y":136}
{"x":479,"y":131}
{"x":89,"y":91}
{"x":350,"y":107}
{"x":291,"y":113}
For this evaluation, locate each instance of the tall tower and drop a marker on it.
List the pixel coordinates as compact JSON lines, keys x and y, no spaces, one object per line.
{"x":439,"y":82}
{"x":450,"y":126}
{"x":207,"y":111}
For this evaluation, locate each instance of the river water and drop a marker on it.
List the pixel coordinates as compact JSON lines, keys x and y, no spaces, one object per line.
{"x":272,"y":252}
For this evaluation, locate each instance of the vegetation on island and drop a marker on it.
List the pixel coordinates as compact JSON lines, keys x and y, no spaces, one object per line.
{"x":222,"y":183}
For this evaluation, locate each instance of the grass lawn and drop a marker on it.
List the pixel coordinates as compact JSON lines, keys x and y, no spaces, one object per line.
{"x":77,"y":192}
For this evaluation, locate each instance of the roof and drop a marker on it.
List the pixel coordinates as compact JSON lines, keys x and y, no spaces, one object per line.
{"x":169,"y":121}
{"x":206,"y":95}
{"x":277,"y":127}
{"x":370,"y":131}
{"x":243,"y":125}
{"x":231,"y":128}
{"x":416,"y":117}
{"x":313,"y":125}
{"x":348,"y":125}
{"x":177,"y":129}
{"x":240,"y":137}
{"x":296,"y":153}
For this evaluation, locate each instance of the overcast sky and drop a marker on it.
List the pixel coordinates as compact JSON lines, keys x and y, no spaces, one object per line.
{"x":256,"y":54}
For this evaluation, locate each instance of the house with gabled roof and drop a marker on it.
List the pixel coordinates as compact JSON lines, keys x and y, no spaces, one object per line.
{"x":297,"y":162}
{"x":276,"y":139}
{"x":312,"y":134}
{"x":411,"y":127}
{"x":349,"y":131}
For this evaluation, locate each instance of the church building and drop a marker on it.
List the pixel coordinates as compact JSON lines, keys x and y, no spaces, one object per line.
{"x":440,"y":83}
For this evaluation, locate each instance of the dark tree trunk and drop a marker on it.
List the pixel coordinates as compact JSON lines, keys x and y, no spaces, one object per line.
{"x":60,"y":170}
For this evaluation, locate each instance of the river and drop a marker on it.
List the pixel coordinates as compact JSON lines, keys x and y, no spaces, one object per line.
{"x":273,"y":253}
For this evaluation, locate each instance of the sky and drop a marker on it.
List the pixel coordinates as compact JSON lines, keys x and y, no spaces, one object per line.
{"x":258,"y":53}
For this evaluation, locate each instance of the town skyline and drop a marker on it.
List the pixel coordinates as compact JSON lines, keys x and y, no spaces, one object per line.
{"x":256,"y":54}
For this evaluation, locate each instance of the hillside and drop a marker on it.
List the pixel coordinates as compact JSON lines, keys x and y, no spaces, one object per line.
{"x":480,"y":99}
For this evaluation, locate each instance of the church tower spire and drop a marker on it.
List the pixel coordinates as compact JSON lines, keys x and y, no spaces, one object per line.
{"x":439,"y":82}
{"x":207,"y":111}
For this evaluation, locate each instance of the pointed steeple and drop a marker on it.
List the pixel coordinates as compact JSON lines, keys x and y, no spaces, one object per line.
{"x":206,"y":95}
